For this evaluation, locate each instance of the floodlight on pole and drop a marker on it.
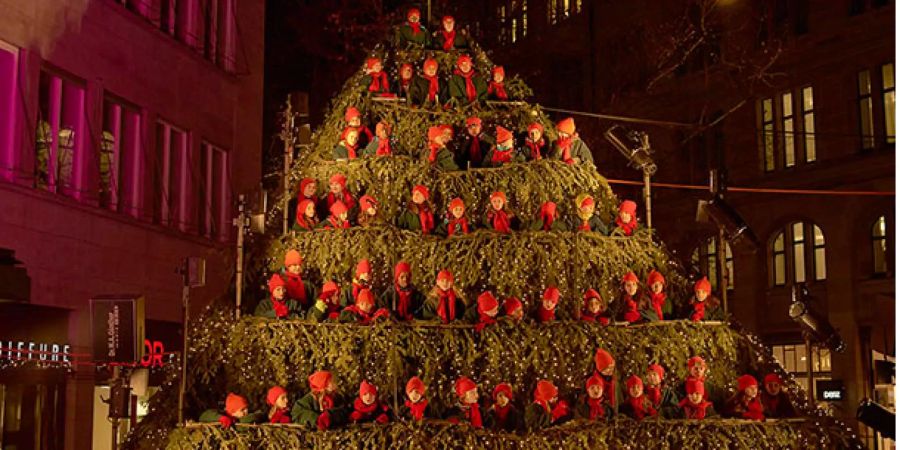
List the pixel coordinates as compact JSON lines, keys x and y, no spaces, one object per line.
{"x":635,"y":147}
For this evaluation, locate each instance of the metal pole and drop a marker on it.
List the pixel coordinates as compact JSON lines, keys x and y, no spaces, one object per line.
{"x":239,"y":271}
{"x":720,"y":275}
{"x":810,"y":392}
{"x":186,"y":307}
{"x":113,"y":385}
{"x":428,"y":22}
{"x":287,"y":136}
{"x":647,"y":199}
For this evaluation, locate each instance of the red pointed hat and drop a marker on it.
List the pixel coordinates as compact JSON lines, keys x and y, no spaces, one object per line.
{"x":434,"y":133}
{"x":370,"y":62}
{"x":658,"y":369}
{"x":318,"y":381}
{"x":602,"y":360}
{"x":445,"y":275}
{"x":338,"y":208}
{"x":536,"y":126}
{"x":694,"y":360}
{"x":503,"y":388}
{"x":552,"y":294}
{"x":503,"y":134}
{"x":328,"y":289}
{"x":275,"y":281}
{"x":234,"y":403}
{"x":421,"y":189}
{"x":545,"y":391}
{"x":694,"y":387}
{"x":367,"y":388}
{"x":746,"y":381}
{"x":566,"y":125}
{"x":415,"y":384}
{"x":628,"y":206}
{"x":633,"y":381}
{"x":274,"y":393}
{"x":463,"y":58}
{"x":496,"y":70}
{"x":594,"y":380}
{"x":511,"y":305}
{"x":413,"y":11}
{"x":500,"y":195}
{"x":456,"y":203}
{"x":351,"y":113}
{"x":487,"y":302}
{"x":473,"y":121}
{"x":365,"y":296}
{"x":654,"y":277}
{"x":401,"y":268}
{"x":292,"y":257}
{"x":367,"y":201}
{"x":630,"y":276}
{"x":772,"y":378}
{"x":463,"y":385}
{"x":306,"y":182}
{"x":702,"y":285}
{"x":338,"y":178}
{"x":430,"y":62}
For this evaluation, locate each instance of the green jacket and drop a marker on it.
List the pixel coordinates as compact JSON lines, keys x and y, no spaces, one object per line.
{"x":390,"y":298}
{"x":212,"y":416}
{"x":538,"y":225}
{"x":536,"y":418}
{"x":512,"y":423}
{"x":668,"y":404}
{"x":458,"y":88}
{"x":373,"y":146}
{"x":306,"y":411}
{"x":418,"y":92}
{"x":579,"y":150}
{"x":317,"y":314}
{"x":409,"y":220}
{"x":430,"y":312}
{"x":594,"y":222}
{"x":341,"y":152}
{"x":583,"y":410}
{"x":517,"y":157}
{"x":444,"y":160}
{"x":405,"y":36}
{"x":265,"y":308}
{"x":460,"y":41}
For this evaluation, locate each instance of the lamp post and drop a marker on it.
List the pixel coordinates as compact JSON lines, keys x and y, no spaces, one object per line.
{"x":635,"y":147}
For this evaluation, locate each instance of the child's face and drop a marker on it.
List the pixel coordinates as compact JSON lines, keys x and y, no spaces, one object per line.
{"x":418,"y":198}
{"x":430,"y":70}
{"x":502,"y":399}
{"x":562,"y":134}
{"x":278,"y":293}
{"x":594,"y":305}
{"x":381,"y":132}
{"x":403,"y":280}
{"x":773,"y":388}
{"x":444,"y":284}
{"x":595,"y":391}
{"x":474,"y":129}
{"x":366,"y":307}
{"x":701,"y":295}
{"x":507,"y":144}
{"x":282,"y":401}
{"x":635,"y":391}
{"x":653,"y":378}
{"x":498,"y":77}
{"x":548,"y":304}
{"x":331,"y":387}
{"x":535,"y":134}
{"x":354,"y":122}
{"x":335,"y":188}
{"x":471,"y":397}
{"x":335,"y":297}
{"x":406,"y":73}
{"x":631,"y":287}
{"x":342,"y":216}
{"x":465,"y":66}
{"x":352,"y":138}
{"x":443,"y":139}
{"x":376,"y":67}
{"x":294,"y":269}
{"x":695,"y":398}
{"x":310,"y":210}
{"x":240,"y":413}
{"x":371,"y":211}
{"x":368,"y":398}
{"x":656,"y":287}
{"x":413,"y":18}
{"x":587,"y":210}
{"x":698,"y":370}
{"x":751,"y":391}
{"x":497,"y":203}
{"x":309,"y":190}
{"x":414,"y":396}
{"x":609,"y":371}
{"x":492,"y":312}
{"x":625,"y":216}
{"x":517,"y":314}
{"x":448,"y":24}
{"x":457,"y":212}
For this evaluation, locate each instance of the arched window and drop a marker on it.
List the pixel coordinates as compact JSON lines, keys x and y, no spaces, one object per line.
{"x":705,"y":259}
{"x":880,"y":246}
{"x":798,"y":254}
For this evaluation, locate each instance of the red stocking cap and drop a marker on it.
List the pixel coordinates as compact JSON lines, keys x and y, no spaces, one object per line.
{"x":365,"y":297}
{"x":306,"y":182}
{"x":745,"y":381}
{"x":463,"y":385}
{"x":772,"y":378}
{"x":500,"y":195}
{"x":273,"y":394}
{"x":702,"y":285}
{"x":552,"y":294}
{"x":536,"y":126}
{"x":338,"y":208}
{"x":367,"y":388}
{"x":633,"y":381}
{"x":318,"y":381}
{"x":566,"y":125}
{"x":367,"y":201}
{"x":328,"y":289}
{"x":445,"y":275}
{"x":338,"y":178}
{"x":503,"y":134}
{"x":430,"y":62}
{"x":496,"y":70}
{"x":630,"y":276}
{"x":370,"y":62}
{"x":473,"y":121}
{"x":602,"y":360}
{"x":363,"y":267}
{"x":292,"y":257}
{"x":487,"y":302}
{"x":594,"y":380}
{"x":463,"y":58}
{"x":422,"y":190}
{"x":234,"y":403}
{"x":544,"y":391}
{"x":351,"y":114}
{"x":694,"y":360}
{"x":400,"y":268}
{"x":415,"y":384}
{"x":628,"y":206}
{"x":456,"y":203}
{"x":511,"y":305}
{"x":658,"y":369}
{"x":655,"y":277}
{"x":504,"y":388}
{"x":411,"y":12}
{"x":275,"y":281}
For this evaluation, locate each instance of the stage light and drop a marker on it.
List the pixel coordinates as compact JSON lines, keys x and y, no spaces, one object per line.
{"x":634,"y":145}
{"x":721,"y":214}
{"x":815,"y":326}
{"x":877,"y":417}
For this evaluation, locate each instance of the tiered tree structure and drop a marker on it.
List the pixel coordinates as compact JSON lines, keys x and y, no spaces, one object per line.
{"x":251,"y":354}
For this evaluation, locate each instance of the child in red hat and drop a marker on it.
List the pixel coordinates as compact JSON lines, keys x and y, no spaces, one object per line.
{"x":775,"y":401}
{"x":661,"y":397}
{"x":626,"y":221}
{"x":418,"y":215}
{"x":476,"y":144}
{"x":595,"y":406}
{"x":630,"y":298}
{"x":547,"y":311}
{"x":236,"y":411}
{"x":297,"y":289}
{"x":504,"y":151}
{"x":638,"y":406}
{"x":307,"y":218}
{"x":362,"y":279}
{"x":547,"y":409}
{"x":339,"y":218}
{"x":448,"y":37}
{"x":657,"y":284}
{"x":405,"y":82}
{"x":277,"y":399}
{"x":428,"y":89}
{"x":467,"y":409}
{"x":485,"y":313}
{"x":694,"y":405}
{"x":328,"y":305}
{"x":367,"y":407}
{"x":513,"y":309}
{"x":502,"y":414}
{"x":381,"y":144}
{"x":416,"y":405}
{"x":595,"y":309}
{"x":368,"y":212}
{"x":534,"y":143}
{"x":466,"y":86}
{"x":569,"y":147}
{"x":703,"y":305}
{"x":375,"y":80}
{"x":496,"y":90}
{"x":745,"y":403}
{"x":412,"y":33}
{"x":319,"y":409}
{"x":455,"y":222}
{"x":438,"y":154}
{"x":346,"y":147}
{"x":547,"y":219}
{"x":363,"y":311}
{"x":585,"y":218}
{"x":403,"y":298}
{"x":277,"y":305}
{"x":353,"y":120}
{"x":499,"y":218}
{"x":605,"y":367}
{"x":444,"y":302}
{"x":337,"y":191}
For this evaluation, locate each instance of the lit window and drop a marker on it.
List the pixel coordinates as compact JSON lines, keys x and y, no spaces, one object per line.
{"x":779,"y":260}
{"x":866,"y":122}
{"x":880,"y":246}
{"x":566,"y":8}
{"x":577,"y":6}
{"x":8,"y":70}
{"x":120,"y":151}
{"x":792,"y":358}
{"x":59,"y":140}
{"x":214,"y":196}
{"x":171,"y":177}
{"x":551,"y":11}
{"x":809,"y":123}
{"x":806,"y":258}
{"x":787,"y":127}
{"x":705,"y":258}
{"x":767,"y":139}
{"x":524,"y":18}
{"x":887,"y":94}
{"x":513,"y":33}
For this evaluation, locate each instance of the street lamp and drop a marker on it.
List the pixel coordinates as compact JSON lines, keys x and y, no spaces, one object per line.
{"x":635,"y":147}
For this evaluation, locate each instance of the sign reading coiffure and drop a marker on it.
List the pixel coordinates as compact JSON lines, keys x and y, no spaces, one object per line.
{"x":117,"y":324}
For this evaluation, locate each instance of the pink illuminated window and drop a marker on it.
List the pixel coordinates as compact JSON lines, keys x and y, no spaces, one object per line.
{"x":214,"y":196}
{"x":60,"y":135}
{"x":8,"y":68}
{"x":118,"y":159}
{"x":170,"y":182}
{"x":218,"y":33}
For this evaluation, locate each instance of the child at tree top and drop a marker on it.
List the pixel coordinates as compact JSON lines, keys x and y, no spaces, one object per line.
{"x":339,"y":217}
{"x":626,"y":221}
{"x":363,"y":311}
{"x":368,"y":212}
{"x":637,"y":406}
{"x":569,"y":148}
{"x":745,"y":403}
{"x":362,"y":279}
{"x":416,"y":404}
{"x":657,"y":284}
{"x":346,"y":148}
{"x":438,"y":154}
{"x":307,"y":219}
{"x":328,"y":305}
{"x":504,"y":151}
{"x":694,"y":405}
{"x":319,"y":409}
{"x":502,"y":415}
{"x":428,"y":89}
{"x":547,"y":219}
{"x":486,"y":311}
{"x":547,"y":311}
{"x":337,"y":191}
{"x":466,"y":85}
{"x":297,"y":289}
{"x":236,"y":411}
{"x":547,"y":408}
{"x":498,"y":217}
{"x":595,"y":308}
{"x":277,"y":399}
{"x":704,"y":306}
{"x":512,"y":308}
{"x":367,"y":407}
{"x":595,"y":407}
{"x":476,"y":144}
{"x":585,"y":219}
{"x":381,"y":143}
{"x":412,"y":32}
{"x":405,"y":83}
{"x":376,"y":80}
{"x":403,"y":298}
{"x":353,"y":120}
{"x":496,"y":90}
{"x":467,"y":409}
{"x":418,"y":215}
{"x":277,"y":306}
{"x":776,"y":403}
{"x":444,"y":302}
{"x":448,"y":38}
{"x":455,"y":223}
{"x":605,"y":366}
{"x":661,"y":397}
{"x":535,"y":144}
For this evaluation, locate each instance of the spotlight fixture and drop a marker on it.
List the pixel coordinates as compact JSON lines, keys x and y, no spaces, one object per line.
{"x":634,"y":145}
{"x":877,"y":417}
{"x":815,"y":326}
{"x":722,"y":215}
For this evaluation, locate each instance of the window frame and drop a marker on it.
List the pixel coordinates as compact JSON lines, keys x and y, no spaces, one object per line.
{"x":767,"y":134}
{"x":889,"y":119}
{"x":864,"y":102}
{"x":886,"y":239}
{"x":213,"y":222}
{"x":9,"y":62}
{"x":793,"y":124}
{"x":63,"y":90}
{"x":821,"y":357}
{"x":705,"y":257}
{"x":813,"y":253}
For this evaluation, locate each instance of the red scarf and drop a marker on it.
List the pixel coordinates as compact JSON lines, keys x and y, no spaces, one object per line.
{"x":463,"y":224}
{"x":333,"y":223}
{"x":449,"y":37}
{"x":351,"y":150}
{"x":640,"y":407}
{"x":472,"y":413}
{"x":404,"y":302}
{"x":384,"y":147}
{"x":471,"y":93}
{"x":654,"y":394}
{"x":432,"y":87}
{"x":499,"y":220}
{"x":361,"y":316}
{"x":497,"y":89}
{"x":753,"y":409}
{"x":546,"y":315}
{"x":416,"y":27}
{"x":405,"y":83}
{"x":548,"y":221}
{"x":565,"y":144}
{"x":694,"y":411}
{"x":417,"y":409}
{"x":597,"y":409}
{"x":433,"y":151}
{"x":345,"y":197}
{"x":280,"y":307}
{"x":629,"y":227}
{"x":699,"y":311}
{"x":426,"y":219}
{"x":302,"y":222}
{"x":597,"y":317}
{"x":475,"y":149}
{"x":379,"y":82}
{"x":295,"y":287}
{"x":483,"y":321}
{"x":356,"y":288}
{"x":281,"y":415}
{"x":363,"y":409}
{"x":502,"y":156}
{"x":585,"y":225}
{"x":631,"y":309}
{"x":447,"y":305}
{"x":535,"y":148}
{"x":658,"y":301}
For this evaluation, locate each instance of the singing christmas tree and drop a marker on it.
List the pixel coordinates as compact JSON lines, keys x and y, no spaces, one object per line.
{"x":463,"y":277}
